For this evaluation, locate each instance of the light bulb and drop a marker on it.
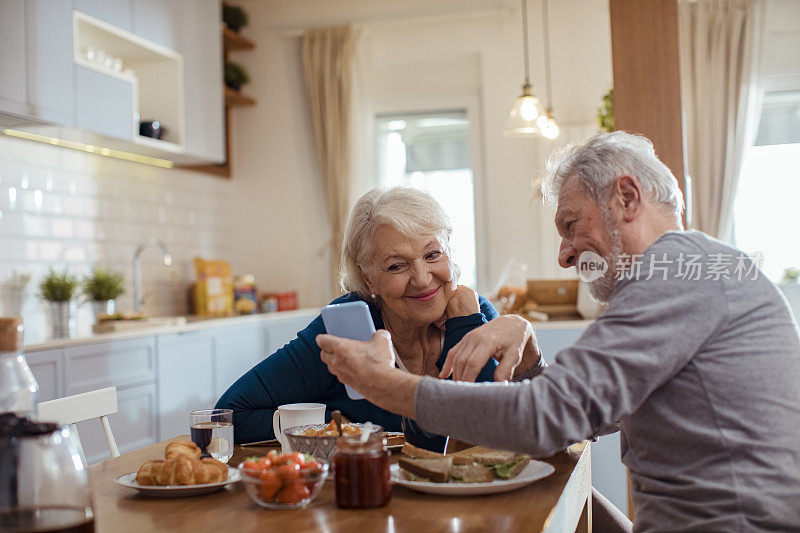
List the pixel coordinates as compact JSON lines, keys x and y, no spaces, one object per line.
{"x":548,"y":127}
{"x":528,"y":108}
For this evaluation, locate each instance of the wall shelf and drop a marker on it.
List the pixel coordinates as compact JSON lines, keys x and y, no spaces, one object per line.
{"x":234,"y":41}
{"x":237,"y":99}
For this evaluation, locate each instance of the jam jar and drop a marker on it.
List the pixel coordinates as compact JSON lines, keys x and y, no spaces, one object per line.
{"x":361,"y":471}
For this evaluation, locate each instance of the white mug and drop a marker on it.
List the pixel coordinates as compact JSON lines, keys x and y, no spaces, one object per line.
{"x":295,"y":414}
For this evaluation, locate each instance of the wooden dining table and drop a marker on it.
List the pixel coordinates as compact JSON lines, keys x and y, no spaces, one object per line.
{"x":560,"y":502}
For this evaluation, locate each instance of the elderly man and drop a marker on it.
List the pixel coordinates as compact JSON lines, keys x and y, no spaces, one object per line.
{"x":696,"y":361}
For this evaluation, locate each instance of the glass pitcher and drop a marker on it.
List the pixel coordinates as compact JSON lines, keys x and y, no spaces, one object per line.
{"x":43,"y":482}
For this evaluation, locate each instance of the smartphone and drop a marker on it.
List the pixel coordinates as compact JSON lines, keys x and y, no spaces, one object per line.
{"x":350,"y":320}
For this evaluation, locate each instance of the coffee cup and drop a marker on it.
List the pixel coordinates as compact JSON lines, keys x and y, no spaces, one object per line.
{"x":295,"y":414}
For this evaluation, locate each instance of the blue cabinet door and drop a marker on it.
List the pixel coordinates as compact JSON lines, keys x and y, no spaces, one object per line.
{"x":104,"y":104}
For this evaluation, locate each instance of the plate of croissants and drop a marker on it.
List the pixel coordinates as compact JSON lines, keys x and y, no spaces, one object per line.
{"x":180,"y":473}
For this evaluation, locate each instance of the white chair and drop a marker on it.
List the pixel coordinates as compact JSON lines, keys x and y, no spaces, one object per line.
{"x":87,"y":406}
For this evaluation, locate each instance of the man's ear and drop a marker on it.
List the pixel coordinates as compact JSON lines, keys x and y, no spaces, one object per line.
{"x":628,"y":197}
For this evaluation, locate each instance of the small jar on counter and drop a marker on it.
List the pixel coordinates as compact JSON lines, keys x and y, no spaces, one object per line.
{"x":362,"y":472}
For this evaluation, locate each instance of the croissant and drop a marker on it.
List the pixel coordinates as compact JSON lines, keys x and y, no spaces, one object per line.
{"x":182,"y":470}
{"x":182,"y":447}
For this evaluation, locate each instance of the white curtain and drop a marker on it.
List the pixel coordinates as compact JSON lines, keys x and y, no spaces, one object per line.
{"x":720,"y":42}
{"x":329,"y":65}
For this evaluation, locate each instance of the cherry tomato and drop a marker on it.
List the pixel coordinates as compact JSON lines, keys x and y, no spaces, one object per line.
{"x":297,"y":457}
{"x":288,"y":472}
{"x":293,"y":492}
{"x":255,"y":465}
{"x":270,"y":485}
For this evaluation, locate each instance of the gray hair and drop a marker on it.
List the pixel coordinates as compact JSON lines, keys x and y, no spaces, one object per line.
{"x":600,"y":160}
{"x":412,"y":212}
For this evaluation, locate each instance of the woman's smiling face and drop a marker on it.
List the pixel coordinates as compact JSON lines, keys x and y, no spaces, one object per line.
{"x":409,"y":276}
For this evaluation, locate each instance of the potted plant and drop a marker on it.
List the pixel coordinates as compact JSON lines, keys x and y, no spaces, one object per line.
{"x":102,"y":287}
{"x":605,"y":113}
{"x":234,"y":17}
{"x":59,"y":290}
{"x":235,"y":75}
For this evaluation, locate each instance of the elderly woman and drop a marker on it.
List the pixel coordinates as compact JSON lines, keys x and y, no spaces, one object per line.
{"x":396,"y":258}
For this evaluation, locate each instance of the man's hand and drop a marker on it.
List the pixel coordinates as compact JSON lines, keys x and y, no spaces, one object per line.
{"x":509,"y":339}
{"x":368,"y":367}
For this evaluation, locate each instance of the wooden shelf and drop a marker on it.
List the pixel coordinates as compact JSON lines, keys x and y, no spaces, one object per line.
{"x":237,"y":99}
{"x":234,"y":41}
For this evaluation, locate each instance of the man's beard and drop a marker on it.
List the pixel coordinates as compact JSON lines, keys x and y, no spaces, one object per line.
{"x":602,"y":288}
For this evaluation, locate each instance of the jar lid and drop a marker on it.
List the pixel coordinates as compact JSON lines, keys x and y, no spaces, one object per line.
{"x":12,"y":425}
{"x":10,"y":334}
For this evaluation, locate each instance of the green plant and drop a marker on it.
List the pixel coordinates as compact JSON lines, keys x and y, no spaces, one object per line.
{"x":235,"y":75}
{"x":234,"y":16}
{"x":103,"y":284}
{"x":605,"y":113}
{"x":791,"y":276}
{"x":58,"y":286}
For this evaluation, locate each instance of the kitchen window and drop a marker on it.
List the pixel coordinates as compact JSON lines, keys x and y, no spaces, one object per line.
{"x":430,"y":151}
{"x":765,"y":211}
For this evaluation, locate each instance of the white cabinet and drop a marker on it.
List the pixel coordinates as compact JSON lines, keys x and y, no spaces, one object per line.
{"x":238,"y":349}
{"x":200,"y":43}
{"x":134,"y":424}
{"x":116,"y":12}
{"x":121,"y":364}
{"x":48,"y":369}
{"x":185,"y":379}
{"x":48,"y":48}
{"x":12,"y":59}
{"x":156,"y":20}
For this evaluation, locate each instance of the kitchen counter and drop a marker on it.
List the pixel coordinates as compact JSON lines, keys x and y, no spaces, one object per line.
{"x":193,"y":323}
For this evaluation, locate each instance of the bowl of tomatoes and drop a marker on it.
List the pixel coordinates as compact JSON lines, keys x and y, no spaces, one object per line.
{"x":283,"y":481}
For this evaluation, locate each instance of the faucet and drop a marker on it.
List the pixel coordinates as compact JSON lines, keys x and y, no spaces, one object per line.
{"x":138,"y":296}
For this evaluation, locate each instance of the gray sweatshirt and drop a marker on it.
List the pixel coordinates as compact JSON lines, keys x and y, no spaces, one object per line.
{"x":701,"y":376}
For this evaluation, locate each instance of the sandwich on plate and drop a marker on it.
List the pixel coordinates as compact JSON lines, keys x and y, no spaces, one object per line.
{"x":473,"y":465}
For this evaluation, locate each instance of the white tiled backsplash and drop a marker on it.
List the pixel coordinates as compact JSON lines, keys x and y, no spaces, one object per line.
{"x":63,"y":208}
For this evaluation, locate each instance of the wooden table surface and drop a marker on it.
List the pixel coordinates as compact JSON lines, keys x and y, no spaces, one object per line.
{"x":556,"y":503}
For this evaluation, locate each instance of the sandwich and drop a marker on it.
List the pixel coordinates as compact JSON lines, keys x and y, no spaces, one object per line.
{"x":505,"y":465}
{"x":473,"y":465}
{"x":435,"y":470}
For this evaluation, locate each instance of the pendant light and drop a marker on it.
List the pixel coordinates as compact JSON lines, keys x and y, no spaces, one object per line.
{"x":527,"y":109}
{"x":547,"y":124}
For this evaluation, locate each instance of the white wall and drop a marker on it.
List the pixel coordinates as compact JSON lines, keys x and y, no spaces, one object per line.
{"x":416,"y":51}
{"x":95,"y":210}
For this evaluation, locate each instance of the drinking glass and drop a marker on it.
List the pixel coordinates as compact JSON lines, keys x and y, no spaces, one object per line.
{"x":212,"y":431}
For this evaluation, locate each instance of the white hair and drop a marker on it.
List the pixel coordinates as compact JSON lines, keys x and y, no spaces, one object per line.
{"x":600,"y":160}
{"x":412,"y":212}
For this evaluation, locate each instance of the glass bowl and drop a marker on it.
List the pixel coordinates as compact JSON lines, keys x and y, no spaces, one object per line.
{"x":293,"y":493}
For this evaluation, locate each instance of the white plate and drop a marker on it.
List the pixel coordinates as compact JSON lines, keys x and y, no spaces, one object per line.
{"x":177,"y":491}
{"x":535,"y":471}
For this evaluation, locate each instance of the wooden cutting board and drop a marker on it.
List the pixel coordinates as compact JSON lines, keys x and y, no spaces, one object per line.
{"x":113,"y":326}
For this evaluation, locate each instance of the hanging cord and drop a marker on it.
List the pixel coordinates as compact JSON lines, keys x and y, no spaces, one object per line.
{"x":546,"y":21}
{"x":525,"y":39}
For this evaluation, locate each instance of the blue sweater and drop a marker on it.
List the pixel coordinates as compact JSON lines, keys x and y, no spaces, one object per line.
{"x":295,"y":373}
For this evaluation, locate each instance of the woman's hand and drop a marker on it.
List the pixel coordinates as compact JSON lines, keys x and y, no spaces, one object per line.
{"x":461,"y":301}
{"x":509,"y":339}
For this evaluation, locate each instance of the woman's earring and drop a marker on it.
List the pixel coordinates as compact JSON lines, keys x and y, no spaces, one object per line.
{"x":373,"y":296}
